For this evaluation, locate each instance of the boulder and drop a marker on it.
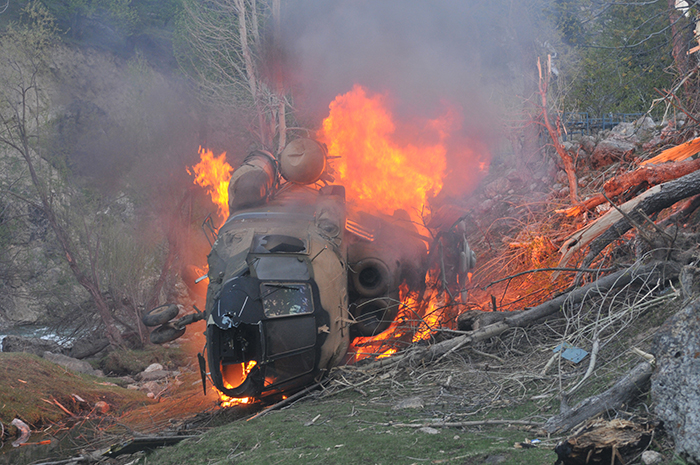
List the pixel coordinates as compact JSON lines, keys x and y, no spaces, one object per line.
{"x":675,"y":386}
{"x":32,"y":345}
{"x":624,"y":131}
{"x":73,"y":364}
{"x":153,"y":367}
{"x":588,"y":144}
{"x":610,"y":151}
{"x":153,"y":375}
{"x":88,"y":346}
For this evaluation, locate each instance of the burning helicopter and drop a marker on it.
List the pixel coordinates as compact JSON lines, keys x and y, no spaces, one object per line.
{"x":294,"y":274}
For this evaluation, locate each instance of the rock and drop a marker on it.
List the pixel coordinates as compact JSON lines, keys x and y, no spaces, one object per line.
{"x":150,"y":386}
{"x":610,"y":151}
{"x":102,"y":407}
{"x":675,"y":386}
{"x":514,"y":176}
{"x":499,"y":186}
{"x":86,"y":347}
{"x":153,"y":367}
{"x":70,"y":363}
{"x":650,"y":457}
{"x":562,"y":178}
{"x":645,"y":127}
{"x":429,"y":430}
{"x":154,"y":375}
{"x":588,"y":144}
{"x":624,"y":131}
{"x":31,"y":345}
{"x":411,"y":402}
{"x":689,"y":279}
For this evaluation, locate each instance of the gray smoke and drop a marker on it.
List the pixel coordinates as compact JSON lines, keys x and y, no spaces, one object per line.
{"x":422,"y":52}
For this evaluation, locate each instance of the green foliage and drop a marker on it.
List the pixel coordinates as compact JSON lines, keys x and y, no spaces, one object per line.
{"x":624,"y":52}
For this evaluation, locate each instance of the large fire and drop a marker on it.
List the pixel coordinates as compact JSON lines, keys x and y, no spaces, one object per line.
{"x":374,"y":166}
{"x":384,"y":166}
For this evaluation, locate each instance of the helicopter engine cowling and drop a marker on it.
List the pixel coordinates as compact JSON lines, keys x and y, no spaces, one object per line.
{"x":253,"y":182}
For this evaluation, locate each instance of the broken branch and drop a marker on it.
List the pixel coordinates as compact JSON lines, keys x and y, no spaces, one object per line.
{"x":652,"y":271}
{"x":623,"y":391}
{"x":664,"y":196}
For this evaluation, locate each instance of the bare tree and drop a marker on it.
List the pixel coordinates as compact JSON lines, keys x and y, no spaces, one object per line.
{"x":221,"y":44}
{"x":24,"y":113}
{"x":555,"y":131}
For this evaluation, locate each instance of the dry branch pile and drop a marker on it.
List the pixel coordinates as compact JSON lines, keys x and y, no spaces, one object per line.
{"x":525,"y":301}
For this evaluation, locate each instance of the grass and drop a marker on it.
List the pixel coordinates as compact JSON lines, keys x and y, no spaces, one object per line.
{"x":349,"y":428}
{"x":29,"y":385}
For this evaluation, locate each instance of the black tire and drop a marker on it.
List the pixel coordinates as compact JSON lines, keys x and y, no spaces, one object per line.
{"x":371,"y":277}
{"x":165,"y":333}
{"x":160,"y":315}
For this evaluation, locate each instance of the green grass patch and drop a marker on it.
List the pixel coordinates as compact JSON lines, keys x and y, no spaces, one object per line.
{"x":29,"y":385}
{"x":351,"y":429}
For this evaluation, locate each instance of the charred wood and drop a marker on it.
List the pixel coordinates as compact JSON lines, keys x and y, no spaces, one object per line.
{"x":648,"y":174}
{"x":669,"y":194}
{"x":608,"y":442}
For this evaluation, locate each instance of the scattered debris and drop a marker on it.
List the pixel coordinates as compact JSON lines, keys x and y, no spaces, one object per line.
{"x":24,"y":431}
{"x":570,"y":353}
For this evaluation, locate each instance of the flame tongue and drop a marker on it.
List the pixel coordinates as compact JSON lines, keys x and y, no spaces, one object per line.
{"x":372,"y":164}
{"x":213,"y":173}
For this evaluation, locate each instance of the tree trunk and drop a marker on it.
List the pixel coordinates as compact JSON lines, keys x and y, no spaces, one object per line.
{"x":649,"y":174}
{"x":680,"y":42}
{"x":555,"y":133}
{"x":621,"y":393}
{"x":669,"y":193}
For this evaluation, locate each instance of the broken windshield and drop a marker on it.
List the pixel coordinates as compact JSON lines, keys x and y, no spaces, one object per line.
{"x":284,"y":299}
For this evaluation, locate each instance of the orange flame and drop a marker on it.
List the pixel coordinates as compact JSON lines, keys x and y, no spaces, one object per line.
{"x":213,"y":173}
{"x":227,"y":401}
{"x":372,"y":164}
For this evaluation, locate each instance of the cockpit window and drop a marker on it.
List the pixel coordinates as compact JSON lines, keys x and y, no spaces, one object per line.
{"x":276,"y":267}
{"x":284,"y":299}
{"x":277,"y":243}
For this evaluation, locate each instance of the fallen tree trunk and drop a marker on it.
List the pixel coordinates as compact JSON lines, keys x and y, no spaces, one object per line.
{"x":667,"y":195}
{"x":621,"y":393}
{"x":635,"y":274}
{"x":649,"y":174}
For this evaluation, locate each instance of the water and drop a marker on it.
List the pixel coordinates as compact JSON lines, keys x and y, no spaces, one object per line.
{"x":62,"y":338}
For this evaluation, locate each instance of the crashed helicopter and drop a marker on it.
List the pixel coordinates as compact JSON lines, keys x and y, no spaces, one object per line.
{"x":294,"y":274}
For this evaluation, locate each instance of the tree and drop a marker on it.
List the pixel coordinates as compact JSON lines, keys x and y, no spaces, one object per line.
{"x":222,"y":45}
{"x":624,"y":53}
{"x":24,"y":114}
